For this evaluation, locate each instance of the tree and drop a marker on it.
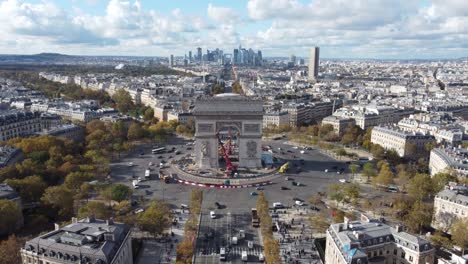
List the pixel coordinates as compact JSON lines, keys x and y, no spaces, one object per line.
{"x":119,"y":131}
{"x":420,"y":186}
{"x":95,"y":125}
{"x":335,"y":192}
{"x":445,"y":221}
{"x":366,"y":139}
{"x":74,"y":180}
{"x":439,"y":240}
{"x":218,"y":88}
{"x":149,"y":114}
{"x":338,"y":216}
{"x":39,"y":156}
{"x":237,"y":88}
{"x":30,"y":188}
{"x":98,"y":209}
{"x":184,"y":252}
{"x":441,"y":179}
{"x":319,"y":221}
{"x":10,"y":216}
{"x":384,"y":178}
{"x":369,"y":170}
{"x":419,"y":216}
{"x":410,"y":149}
{"x":156,"y":218}
{"x":272,"y":251}
{"x":460,"y":233}
{"x":10,"y":250}
{"x":60,"y":198}
{"x":352,"y":191}
{"x":325,"y":130}
{"x":135,"y":132}
{"x":123,"y":101}
{"x":118,"y":192}
{"x":378,"y":152}
{"x":354,"y":168}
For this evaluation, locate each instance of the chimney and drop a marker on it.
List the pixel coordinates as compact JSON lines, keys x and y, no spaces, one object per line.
{"x":110,"y":221}
{"x":57,"y":226}
{"x":399,"y":228}
{"x":346,"y":223}
{"x":74,"y":220}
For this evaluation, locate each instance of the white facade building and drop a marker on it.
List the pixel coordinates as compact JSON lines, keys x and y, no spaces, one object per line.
{"x":450,"y":204}
{"x":449,"y":159}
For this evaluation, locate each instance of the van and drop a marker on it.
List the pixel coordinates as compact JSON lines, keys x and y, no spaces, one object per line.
{"x":277,"y":205}
{"x":234,"y":240}
{"x":212,"y":215}
{"x":244,"y":256}
{"x":222,"y":254}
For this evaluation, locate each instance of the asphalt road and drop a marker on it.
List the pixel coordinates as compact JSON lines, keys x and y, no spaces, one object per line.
{"x":237,"y":202}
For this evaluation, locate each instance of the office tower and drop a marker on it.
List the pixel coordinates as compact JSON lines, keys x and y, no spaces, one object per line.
{"x":301,"y":61}
{"x":314,"y":63}
{"x":235,"y":57}
{"x":199,"y":54}
{"x":171,"y":61}
{"x":292,"y":59}
{"x":259,"y":55}
{"x":190,"y":56}
{"x":185,"y":62}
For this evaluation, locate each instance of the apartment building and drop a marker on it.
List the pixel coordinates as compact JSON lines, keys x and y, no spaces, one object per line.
{"x":370,"y":116}
{"x":340,"y":124}
{"x":392,"y":137}
{"x":16,"y":123}
{"x":275,"y":119}
{"x":450,"y":204}
{"x":86,"y":241}
{"x":449,"y":159}
{"x":370,"y":241}
{"x":298,"y":114}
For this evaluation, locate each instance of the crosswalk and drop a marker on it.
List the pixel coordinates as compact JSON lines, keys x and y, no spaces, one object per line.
{"x":234,"y":251}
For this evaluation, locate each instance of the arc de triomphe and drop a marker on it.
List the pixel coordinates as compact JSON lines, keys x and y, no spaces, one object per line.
{"x":228,"y":110}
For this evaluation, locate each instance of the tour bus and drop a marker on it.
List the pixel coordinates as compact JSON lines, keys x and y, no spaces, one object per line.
{"x":158,"y":150}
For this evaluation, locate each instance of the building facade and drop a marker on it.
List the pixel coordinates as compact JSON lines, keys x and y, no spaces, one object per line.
{"x":369,"y":241}
{"x":10,"y":155}
{"x":340,"y":124}
{"x":406,"y":144}
{"x":8,"y":193}
{"x":453,"y":159}
{"x":314,"y":63}
{"x":275,"y":119}
{"x":450,"y":204}
{"x":15,"y":124}
{"x":86,"y":241}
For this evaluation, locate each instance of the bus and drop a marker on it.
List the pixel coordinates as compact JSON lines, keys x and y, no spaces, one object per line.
{"x":158,"y":150}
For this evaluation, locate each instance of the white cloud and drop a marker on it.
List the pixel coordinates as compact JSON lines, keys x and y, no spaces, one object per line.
{"x":223,"y":15}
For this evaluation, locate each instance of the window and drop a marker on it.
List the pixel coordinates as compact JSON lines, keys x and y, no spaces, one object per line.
{"x":403,"y":255}
{"x":380,"y":252}
{"x":395,"y":251}
{"x":411,"y":258}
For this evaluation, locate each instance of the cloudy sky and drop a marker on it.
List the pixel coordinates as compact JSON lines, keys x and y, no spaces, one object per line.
{"x":342,"y":28}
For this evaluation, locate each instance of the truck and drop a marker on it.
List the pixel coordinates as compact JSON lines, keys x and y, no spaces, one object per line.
{"x":163,"y":176}
{"x":284,"y":168}
{"x":255,"y":219}
{"x":147,"y":173}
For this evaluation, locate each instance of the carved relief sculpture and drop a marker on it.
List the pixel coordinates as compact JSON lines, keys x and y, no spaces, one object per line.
{"x":205,"y":149}
{"x":251,"y":149}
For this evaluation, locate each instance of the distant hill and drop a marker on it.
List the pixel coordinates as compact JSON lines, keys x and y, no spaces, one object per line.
{"x":37,"y":58}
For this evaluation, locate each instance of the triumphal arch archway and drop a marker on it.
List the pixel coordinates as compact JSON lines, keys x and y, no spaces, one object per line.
{"x":228,"y":129}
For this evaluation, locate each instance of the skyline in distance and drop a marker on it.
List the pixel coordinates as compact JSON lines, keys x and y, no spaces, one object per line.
{"x":354,"y":29}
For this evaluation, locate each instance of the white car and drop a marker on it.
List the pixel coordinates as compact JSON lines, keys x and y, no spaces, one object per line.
{"x":212,"y":214}
{"x":302,"y":152}
{"x":338,"y":172}
{"x":150,"y":164}
{"x":130,"y":164}
{"x":343,"y":180}
{"x":300,"y":203}
{"x":326,"y":170}
{"x":277,"y":205}
{"x":250,"y":244}
{"x":295,"y":147}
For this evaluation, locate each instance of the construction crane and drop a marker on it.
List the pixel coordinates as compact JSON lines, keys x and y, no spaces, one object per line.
{"x":230,"y":168}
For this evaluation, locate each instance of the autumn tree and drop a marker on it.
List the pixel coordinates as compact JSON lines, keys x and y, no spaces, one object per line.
{"x":156,"y":218}
{"x":10,"y":216}
{"x":320,"y":221}
{"x":440,"y":180}
{"x":135,"y":132}
{"x":10,"y":250}
{"x":30,"y":188}
{"x":384,"y":178}
{"x":60,"y":198}
{"x":98,"y":209}
{"x":149,"y":114}
{"x":459,"y":233}
{"x":369,"y":170}
{"x":354,"y":168}
{"x":123,"y":101}
{"x":421,"y":186}
{"x":419,"y":216}
{"x":378,"y":152}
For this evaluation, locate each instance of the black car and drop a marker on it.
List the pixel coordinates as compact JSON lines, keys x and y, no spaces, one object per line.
{"x":284,"y":188}
{"x":160,"y":157}
{"x":218,"y":205}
